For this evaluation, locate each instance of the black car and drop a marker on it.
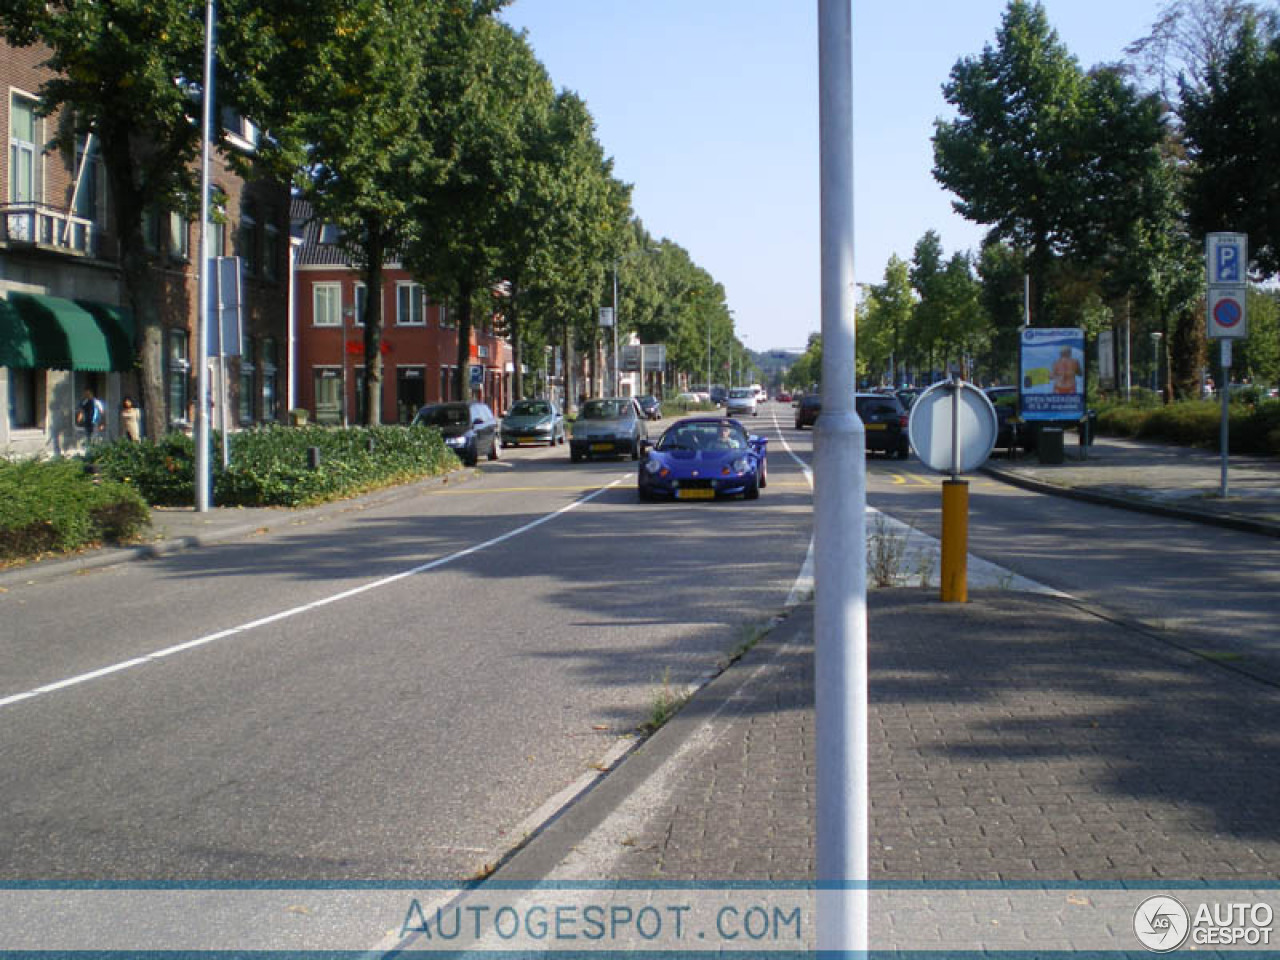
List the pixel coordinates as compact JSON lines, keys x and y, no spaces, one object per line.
{"x":469,"y":429}
{"x":807,"y":409}
{"x":650,"y":406}
{"x":884,"y":419}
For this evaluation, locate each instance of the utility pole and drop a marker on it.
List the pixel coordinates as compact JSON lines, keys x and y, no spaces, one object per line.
{"x":840,"y":503}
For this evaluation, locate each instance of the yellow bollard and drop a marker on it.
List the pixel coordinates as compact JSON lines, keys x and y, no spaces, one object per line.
{"x":955,"y":541}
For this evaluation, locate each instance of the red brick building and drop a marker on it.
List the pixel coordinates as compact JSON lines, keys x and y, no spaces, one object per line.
{"x":419,"y":340}
{"x":62,"y":324}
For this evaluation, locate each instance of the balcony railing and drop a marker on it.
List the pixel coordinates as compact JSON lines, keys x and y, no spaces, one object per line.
{"x":45,"y":226}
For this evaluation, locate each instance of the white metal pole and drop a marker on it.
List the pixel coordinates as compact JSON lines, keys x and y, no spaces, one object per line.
{"x":840,"y":613}
{"x":202,"y":322}
{"x":615,"y":392}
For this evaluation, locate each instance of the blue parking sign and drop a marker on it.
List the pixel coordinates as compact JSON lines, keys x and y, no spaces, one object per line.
{"x":1227,"y":258}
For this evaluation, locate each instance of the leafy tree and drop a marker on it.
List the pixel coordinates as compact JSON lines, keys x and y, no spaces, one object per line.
{"x":1258,"y":355}
{"x":339,"y":86}
{"x":894,"y":304}
{"x":129,"y":72}
{"x":1001,"y":270}
{"x":1008,"y":156}
{"x":485,"y":93}
{"x":570,"y":212}
{"x":1232,"y":133}
{"x":1190,"y":39}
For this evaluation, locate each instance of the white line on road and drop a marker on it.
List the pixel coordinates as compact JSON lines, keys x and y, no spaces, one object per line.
{"x":305,"y":608}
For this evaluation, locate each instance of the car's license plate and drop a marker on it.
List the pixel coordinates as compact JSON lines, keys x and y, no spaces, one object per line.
{"x":601,"y":447}
{"x":696,"y":494}
{"x":876,"y":426}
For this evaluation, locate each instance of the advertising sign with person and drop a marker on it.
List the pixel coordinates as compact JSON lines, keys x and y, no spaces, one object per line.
{"x":1052,"y":373}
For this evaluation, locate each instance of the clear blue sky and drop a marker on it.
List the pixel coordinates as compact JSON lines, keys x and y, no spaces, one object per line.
{"x":710,"y":109}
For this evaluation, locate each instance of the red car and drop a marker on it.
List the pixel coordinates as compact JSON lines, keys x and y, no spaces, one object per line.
{"x":783,"y":398}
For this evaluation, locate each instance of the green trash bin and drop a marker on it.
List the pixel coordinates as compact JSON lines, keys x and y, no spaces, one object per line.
{"x":1049,"y":445}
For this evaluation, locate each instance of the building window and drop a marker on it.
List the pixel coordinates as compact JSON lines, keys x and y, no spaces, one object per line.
{"x":24,"y":155}
{"x":177,"y":375}
{"x":247,"y":370}
{"x":361,"y":297}
{"x":446,"y":322}
{"x":152,"y":229}
{"x":179,"y":237}
{"x":89,"y":197}
{"x":24,"y":398}
{"x":270,"y":385}
{"x":328,"y":391}
{"x":328,"y":304}
{"x":217,"y":222}
{"x":409,"y":305}
{"x":271,"y":246}
{"x":249,"y":239}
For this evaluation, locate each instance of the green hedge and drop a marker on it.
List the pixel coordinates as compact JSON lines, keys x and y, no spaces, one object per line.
{"x":1253,"y":429}
{"x":269,"y":465}
{"x":57,"y":505}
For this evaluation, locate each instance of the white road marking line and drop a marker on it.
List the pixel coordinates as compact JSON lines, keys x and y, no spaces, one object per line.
{"x":296,"y":611}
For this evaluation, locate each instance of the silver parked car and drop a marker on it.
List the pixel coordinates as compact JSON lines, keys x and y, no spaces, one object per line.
{"x":742,"y":400}
{"x":534,"y":421}
{"x":609,"y":427}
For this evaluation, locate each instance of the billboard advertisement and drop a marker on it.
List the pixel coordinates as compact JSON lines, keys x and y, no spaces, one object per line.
{"x":1052,"y":373}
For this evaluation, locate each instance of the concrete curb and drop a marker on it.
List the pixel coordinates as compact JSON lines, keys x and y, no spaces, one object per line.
{"x":546,"y":849}
{"x":97,"y":558}
{"x":1229,"y":521}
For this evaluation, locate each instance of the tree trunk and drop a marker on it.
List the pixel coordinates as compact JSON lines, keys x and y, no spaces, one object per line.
{"x":142,"y":293}
{"x":463,"y":373}
{"x":375,"y":251}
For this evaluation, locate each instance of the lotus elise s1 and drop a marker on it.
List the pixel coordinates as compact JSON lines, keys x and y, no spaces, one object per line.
{"x":702,"y":458}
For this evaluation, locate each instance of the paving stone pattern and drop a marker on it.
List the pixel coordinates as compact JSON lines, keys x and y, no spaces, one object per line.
{"x":1011,"y":738}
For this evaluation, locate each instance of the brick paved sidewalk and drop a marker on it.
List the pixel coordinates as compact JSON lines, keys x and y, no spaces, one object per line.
{"x":1016,"y":737}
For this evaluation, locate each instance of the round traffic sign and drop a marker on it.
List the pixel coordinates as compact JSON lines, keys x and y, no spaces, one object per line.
{"x":953,"y":411}
{"x":1227,"y":312}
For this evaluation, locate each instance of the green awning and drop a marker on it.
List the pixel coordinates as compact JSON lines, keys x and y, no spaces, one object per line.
{"x":50,"y":333}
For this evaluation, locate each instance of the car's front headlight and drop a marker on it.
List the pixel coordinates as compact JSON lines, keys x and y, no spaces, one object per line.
{"x":652,"y":466}
{"x":740,"y":465}
{"x":455,"y":441}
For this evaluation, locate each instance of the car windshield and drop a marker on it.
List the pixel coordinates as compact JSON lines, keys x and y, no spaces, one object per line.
{"x":531,"y":408}
{"x":442,"y":416}
{"x":876,"y":407}
{"x":704,"y":436}
{"x":740,"y":392}
{"x":616,"y":409}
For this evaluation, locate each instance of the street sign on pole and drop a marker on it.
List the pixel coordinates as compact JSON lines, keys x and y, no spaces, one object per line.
{"x":1226,"y":258}
{"x":1226,"y":319}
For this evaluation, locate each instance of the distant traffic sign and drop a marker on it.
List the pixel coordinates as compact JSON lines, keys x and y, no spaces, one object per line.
{"x":1226,"y":258}
{"x":1226,"y":315}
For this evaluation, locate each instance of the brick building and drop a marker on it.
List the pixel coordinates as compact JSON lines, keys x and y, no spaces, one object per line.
{"x":62,"y":324}
{"x":419,"y":341}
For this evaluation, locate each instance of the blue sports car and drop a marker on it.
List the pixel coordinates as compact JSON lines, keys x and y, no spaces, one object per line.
{"x":702,"y":458}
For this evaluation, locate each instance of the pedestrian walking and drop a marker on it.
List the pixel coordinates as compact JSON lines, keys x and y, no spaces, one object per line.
{"x":91,"y":416}
{"x":130,"y":420}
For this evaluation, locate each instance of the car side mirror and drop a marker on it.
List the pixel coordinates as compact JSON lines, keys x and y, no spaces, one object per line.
{"x":645,"y":446}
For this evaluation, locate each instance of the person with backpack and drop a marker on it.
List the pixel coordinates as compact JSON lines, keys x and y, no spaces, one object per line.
{"x":92,"y":417}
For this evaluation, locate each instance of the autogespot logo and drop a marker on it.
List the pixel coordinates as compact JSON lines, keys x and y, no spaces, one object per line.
{"x":1161,"y":924}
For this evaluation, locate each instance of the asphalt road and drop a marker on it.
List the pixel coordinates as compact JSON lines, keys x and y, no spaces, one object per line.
{"x":398,"y":693}
{"x":390,"y":695}
{"x":1204,"y":587}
